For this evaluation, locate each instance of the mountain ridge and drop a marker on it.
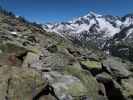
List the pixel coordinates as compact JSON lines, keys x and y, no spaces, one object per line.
{"x":91,"y":15}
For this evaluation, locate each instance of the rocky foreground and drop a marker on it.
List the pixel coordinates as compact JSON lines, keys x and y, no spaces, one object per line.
{"x":37,"y":65}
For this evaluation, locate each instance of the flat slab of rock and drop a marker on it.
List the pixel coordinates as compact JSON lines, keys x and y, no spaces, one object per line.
{"x":92,"y":64}
{"x":116,"y":68}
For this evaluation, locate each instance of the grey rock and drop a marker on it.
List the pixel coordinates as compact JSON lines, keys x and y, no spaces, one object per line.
{"x":116,"y":68}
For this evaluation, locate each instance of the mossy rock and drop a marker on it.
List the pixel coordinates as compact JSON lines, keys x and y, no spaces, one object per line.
{"x":89,"y":82}
{"x":91,"y":64}
{"x":20,"y":83}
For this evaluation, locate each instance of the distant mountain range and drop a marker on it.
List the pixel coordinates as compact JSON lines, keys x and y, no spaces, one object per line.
{"x":92,"y":23}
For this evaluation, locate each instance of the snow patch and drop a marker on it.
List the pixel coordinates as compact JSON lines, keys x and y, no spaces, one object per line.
{"x":14,"y":32}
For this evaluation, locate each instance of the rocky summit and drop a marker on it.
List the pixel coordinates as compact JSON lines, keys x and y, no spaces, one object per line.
{"x":39,"y":65}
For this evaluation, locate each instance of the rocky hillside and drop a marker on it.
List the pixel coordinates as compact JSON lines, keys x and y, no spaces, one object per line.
{"x":39,"y":65}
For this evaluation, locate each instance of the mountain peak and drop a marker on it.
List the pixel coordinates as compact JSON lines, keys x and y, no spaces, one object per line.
{"x":91,"y":13}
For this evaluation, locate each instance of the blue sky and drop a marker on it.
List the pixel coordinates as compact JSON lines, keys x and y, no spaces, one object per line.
{"x":62,"y":10}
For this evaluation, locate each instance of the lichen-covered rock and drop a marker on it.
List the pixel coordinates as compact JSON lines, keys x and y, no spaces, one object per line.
{"x":32,"y":60}
{"x":92,"y":64}
{"x":127,"y":88}
{"x":67,"y":86}
{"x":19,"y":83}
{"x":56,"y":60}
{"x":116,"y":68}
{"x":88,"y":81}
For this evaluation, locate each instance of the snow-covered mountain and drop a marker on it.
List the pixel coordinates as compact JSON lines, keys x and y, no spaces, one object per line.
{"x":93,"y":27}
{"x":91,"y":23}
